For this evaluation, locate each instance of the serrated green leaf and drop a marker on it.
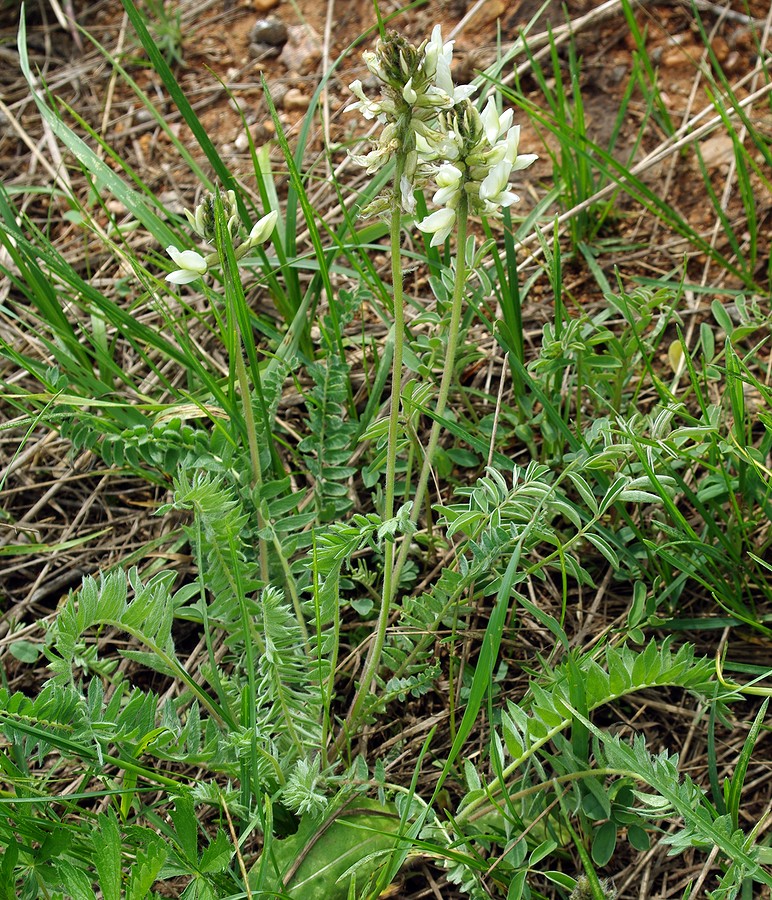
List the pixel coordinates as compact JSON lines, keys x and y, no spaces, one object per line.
{"x":144,"y":872}
{"x":107,"y":855}
{"x":75,"y":881}
{"x":185,"y":827}
{"x":218,"y":854}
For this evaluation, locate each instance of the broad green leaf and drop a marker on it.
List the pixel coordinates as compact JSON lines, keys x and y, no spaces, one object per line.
{"x":185,"y":827}
{"x":638,"y":837}
{"x":75,"y":881}
{"x":311,"y":863}
{"x":604,"y":843}
{"x":218,"y":854}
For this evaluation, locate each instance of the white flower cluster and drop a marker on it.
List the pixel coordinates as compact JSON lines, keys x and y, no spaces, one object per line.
{"x":437,"y":130}
{"x":192,"y":264}
{"x":480,"y":155}
{"x":417,"y":84}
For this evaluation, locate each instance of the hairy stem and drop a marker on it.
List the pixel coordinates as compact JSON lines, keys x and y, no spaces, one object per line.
{"x":254,"y":450}
{"x":459,"y":285}
{"x":376,"y":646}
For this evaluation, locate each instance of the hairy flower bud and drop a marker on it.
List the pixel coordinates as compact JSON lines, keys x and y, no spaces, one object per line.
{"x":416,"y":86}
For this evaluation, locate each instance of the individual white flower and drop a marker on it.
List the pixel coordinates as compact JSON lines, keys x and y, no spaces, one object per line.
{"x":198,"y":219}
{"x":438,"y":59}
{"x":192,"y":265}
{"x":521,"y":161}
{"x":494,"y":124}
{"x":439,"y":224}
{"x":493,"y":190}
{"x":370,"y":109}
{"x":448,"y":180}
{"x":263,"y":228}
{"x":373,"y":61}
{"x":379,"y":155}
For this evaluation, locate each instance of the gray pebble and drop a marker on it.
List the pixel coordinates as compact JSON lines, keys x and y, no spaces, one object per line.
{"x":270,"y":31}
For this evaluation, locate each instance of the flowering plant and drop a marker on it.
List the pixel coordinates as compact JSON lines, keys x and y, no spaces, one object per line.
{"x":430,"y":127}
{"x":190,"y":263}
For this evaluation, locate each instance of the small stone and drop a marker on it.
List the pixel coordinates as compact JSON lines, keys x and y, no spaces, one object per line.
{"x":618,"y":73}
{"x":720,"y":48}
{"x":263,"y":51}
{"x":302,"y":51}
{"x":295,"y":99}
{"x":277,"y":90}
{"x":172,"y":202}
{"x":261,"y":134}
{"x":270,"y":31}
{"x":490,"y":11}
{"x":144,"y":117}
{"x":264,"y":5}
{"x":674,"y":57}
{"x":717,"y":151}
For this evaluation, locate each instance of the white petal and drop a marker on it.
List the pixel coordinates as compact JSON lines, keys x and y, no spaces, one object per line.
{"x":495,"y":181}
{"x":444,"y":195}
{"x":440,"y":236}
{"x":512,"y":140}
{"x":447,"y":175}
{"x":188,"y":259}
{"x":524,"y":160}
{"x":463,"y":92}
{"x":262,"y":229}
{"x":182,"y":276}
{"x":408,"y":93}
{"x":507,"y":198}
{"x":443,"y":79}
{"x":490,"y":120}
{"x":439,"y":220}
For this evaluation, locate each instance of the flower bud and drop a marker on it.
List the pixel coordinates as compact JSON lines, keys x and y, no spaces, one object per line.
{"x":192,"y":265}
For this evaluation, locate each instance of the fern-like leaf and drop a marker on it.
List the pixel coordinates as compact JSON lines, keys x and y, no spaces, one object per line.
{"x":327,"y":448}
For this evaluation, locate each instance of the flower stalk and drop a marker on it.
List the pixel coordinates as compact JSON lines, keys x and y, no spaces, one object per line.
{"x":430,"y":127}
{"x":416,"y":85}
{"x":389,"y":571}
{"x":454,"y":327}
